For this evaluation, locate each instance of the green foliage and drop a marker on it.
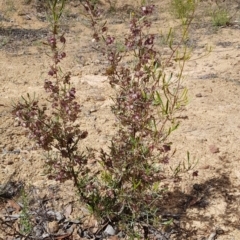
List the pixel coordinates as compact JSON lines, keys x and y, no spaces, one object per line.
{"x":56,"y":8}
{"x":25,"y":218}
{"x":183,"y":8}
{"x":220,"y":18}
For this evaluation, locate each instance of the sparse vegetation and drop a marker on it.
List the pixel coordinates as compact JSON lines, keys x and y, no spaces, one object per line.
{"x":220,"y":18}
{"x":112,"y":5}
{"x":183,"y":8}
{"x":9,"y":7}
{"x":25,"y":218}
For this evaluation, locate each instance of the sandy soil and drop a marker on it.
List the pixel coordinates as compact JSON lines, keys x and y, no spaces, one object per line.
{"x":209,"y":129}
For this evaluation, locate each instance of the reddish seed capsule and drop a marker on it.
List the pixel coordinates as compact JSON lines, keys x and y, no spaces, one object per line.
{"x":63,"y":54}
{"x":195,"y":174}
{"x":62,"y":39}
{"x":109,"y":40}
{"x":104,"y":29}
{"x":52,"y":40}
{"x":51,"y":73}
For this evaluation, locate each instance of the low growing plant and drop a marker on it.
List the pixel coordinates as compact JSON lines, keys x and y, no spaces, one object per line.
{"x":183,"y":8}
{"x":25,"y":218}
{"x":220,"y":18}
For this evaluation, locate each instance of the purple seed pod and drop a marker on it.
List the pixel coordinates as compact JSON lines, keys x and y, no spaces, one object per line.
{"x":109,"y":40}
{"x":62,"y":39}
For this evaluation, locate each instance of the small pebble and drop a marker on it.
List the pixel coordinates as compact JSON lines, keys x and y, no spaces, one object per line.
{"x":22,"y":13}
{"x":214,"y":149}
{"x":99,"y":98}
{"x":92,"y":110}
{"x":10,"y":148}
{"x":53,"y":226}
{"x":109,"y":230}
{"x":10,"y":162}
{"x":199,"y":95}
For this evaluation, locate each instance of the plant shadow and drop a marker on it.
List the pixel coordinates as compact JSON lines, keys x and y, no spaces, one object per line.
{"x":15,"y":37}
{"x":185,"y":208}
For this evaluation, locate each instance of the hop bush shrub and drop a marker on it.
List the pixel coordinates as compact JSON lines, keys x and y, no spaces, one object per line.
{"x":147,"y":97}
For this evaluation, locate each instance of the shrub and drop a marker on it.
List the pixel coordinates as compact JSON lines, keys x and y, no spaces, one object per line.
{"x":146,"y":100}
{"x":127,"y":190}
{"x":54,"y":127}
